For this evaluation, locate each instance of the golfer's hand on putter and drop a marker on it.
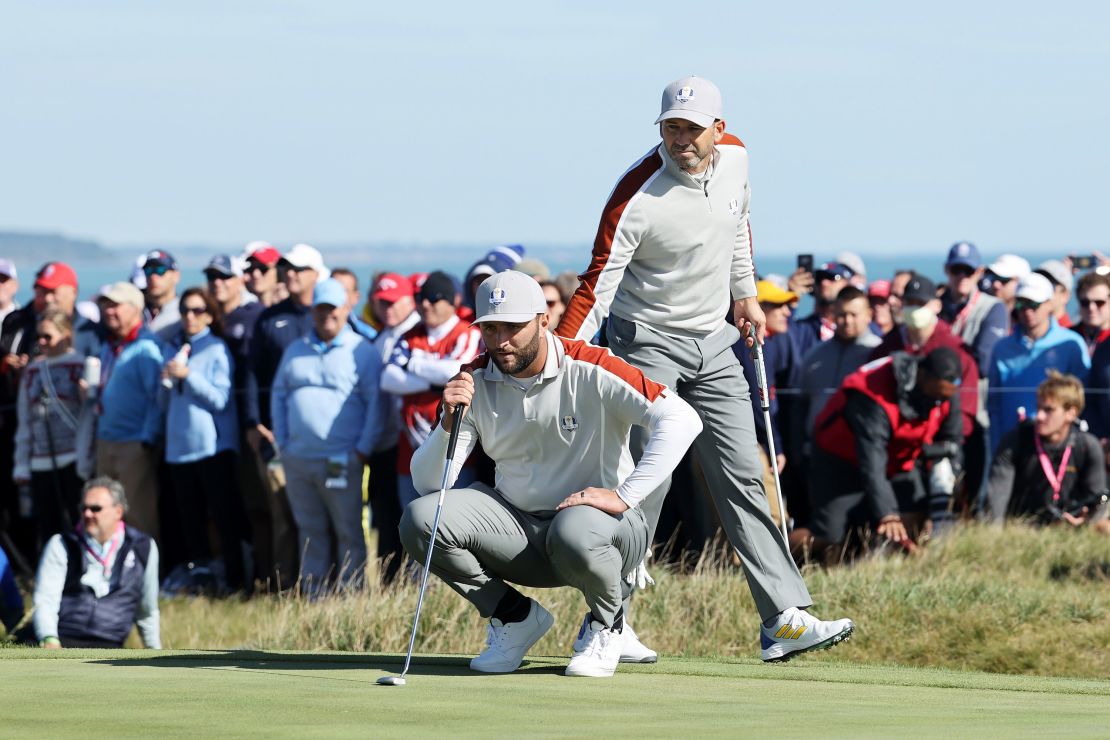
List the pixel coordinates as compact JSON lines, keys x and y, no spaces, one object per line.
{"x":747,"y":314}
{"x":600,"y":498}
{"x":459,"y":391}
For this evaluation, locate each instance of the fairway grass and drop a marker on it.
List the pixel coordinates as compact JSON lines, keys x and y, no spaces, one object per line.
{"x":223,"y":693}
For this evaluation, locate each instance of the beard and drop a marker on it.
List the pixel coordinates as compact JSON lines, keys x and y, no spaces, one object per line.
{"x":519,"y":360}
{"x":685,"y":163}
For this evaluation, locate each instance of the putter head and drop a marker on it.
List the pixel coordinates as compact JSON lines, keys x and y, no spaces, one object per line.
{"x":391,"y":681}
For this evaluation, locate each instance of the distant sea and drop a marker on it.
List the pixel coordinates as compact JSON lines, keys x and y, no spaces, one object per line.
{"x":458,"y":260}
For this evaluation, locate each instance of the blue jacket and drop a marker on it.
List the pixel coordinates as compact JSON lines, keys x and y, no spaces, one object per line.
{"x":325,"y":399}
{"x":277,"y":327}
{"x":130,"y":411}
{"x":11,"y":601}
{"x":1018,"y":365}
{"x":200,"y":415}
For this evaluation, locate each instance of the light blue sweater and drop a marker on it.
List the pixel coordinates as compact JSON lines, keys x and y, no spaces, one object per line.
{"x":325,"y":399}
{"x":130,"y":411}
{"x":200,"y":415}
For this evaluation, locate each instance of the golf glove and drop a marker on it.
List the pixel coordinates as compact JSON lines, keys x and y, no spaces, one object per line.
{"x":639,"y":578}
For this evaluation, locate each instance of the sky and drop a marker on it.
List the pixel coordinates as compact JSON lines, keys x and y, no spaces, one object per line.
{"x":870,"y":126}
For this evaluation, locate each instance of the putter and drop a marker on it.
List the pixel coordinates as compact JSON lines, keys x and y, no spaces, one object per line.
{"x":451,"y":444}
{"x":765,"y":404}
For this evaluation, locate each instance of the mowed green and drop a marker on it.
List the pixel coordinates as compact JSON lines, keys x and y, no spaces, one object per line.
{"x":251,"y":693}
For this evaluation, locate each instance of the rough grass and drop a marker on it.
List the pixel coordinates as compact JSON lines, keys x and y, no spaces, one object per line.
{"x":1013,"y":600}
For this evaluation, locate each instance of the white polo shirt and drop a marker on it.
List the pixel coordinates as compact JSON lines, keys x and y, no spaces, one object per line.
{"x":567,"y":430}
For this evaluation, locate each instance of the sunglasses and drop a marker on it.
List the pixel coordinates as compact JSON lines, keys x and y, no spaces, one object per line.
{"x":156,"y":270}
{"x":1024,"y":304}
{"x":822,"y":275}
{"x":94,"y":508}
{"x":434,"y":297}
{"x":1088,"y":302}
{"x":253,"y":266}
{"x":296,"y":268}
{"x":215,"y":277}
{"x":195,"y":310}
{"x":961,"y":270}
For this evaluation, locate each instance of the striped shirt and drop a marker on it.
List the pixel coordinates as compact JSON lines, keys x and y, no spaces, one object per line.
{"x":566,"y":431}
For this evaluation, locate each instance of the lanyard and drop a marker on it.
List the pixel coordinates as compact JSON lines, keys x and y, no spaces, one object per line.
{"x":106,"y":561}
{"x":1055,"y":479}
{"x":961,"y":317}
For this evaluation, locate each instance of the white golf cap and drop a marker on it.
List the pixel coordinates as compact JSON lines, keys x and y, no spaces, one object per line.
{"x":1010,"y":266}
{"x":7,"y":267}
{"x":509,"y":296}
{"x":694,"y":99}
{"x":852,"y":261}
{"x":1035,"y":287}
{"x":303,"y":255}
{"x":1057,"y":272}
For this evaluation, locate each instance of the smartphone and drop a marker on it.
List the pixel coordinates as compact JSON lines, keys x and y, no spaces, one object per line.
{"x":805,"y":262}
{"x":1083,"y":261}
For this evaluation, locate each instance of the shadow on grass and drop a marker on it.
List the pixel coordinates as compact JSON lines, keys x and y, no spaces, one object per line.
{"x":260,"y":660}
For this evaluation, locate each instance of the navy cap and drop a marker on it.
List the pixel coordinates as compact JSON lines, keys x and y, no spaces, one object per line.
{"x":438,"y":286}
{"x":833,"y":270}
{"x":964,"y":253}
{"x":225,"y":265}
{"x":919,"y":289}
{"x":160,"y":257}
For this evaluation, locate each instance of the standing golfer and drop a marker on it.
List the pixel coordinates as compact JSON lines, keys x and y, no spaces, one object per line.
{"x":672,"y":258}
{"x":554,"y":415}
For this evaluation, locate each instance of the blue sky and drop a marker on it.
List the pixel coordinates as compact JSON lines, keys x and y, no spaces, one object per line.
{"x":870,"y":126}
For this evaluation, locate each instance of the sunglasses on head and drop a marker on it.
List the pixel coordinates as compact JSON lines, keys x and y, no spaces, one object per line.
{"x":1088,"y":302}
{"x":155,"y":270}
{"x":94,"y":508}
{"x":1024,"y":304}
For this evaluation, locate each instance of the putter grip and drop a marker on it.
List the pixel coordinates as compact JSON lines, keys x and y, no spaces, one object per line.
{"x":453,"y":439}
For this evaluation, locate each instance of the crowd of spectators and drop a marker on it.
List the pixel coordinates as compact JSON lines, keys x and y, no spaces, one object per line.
{"x":247,"y":423}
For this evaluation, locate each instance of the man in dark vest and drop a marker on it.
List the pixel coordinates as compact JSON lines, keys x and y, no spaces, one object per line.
{"x":867,"y":442}
{"x":93,"y":584}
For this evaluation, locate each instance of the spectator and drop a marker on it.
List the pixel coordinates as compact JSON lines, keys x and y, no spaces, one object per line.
{"x":1003,"y":276}
{"x":897,"y":285}
{"x":868,"y":440}
{"x":854,"y":263}
{"x":11,"y":600}
{"x":922,"y":331}
{"x":534,"y":268}
{"x":202,"y":436}
{"x":827,"y":364}
{"x":496,"y":260}
{"x":130,"y":423}
{"x":9,"y":286}
{"x":1047,"y":468}
{"x":555,"y":303}
{"x":878,"y":295}
{"x":1062,"y":281}
{"x":818,"y":327}
{"x":567,"y":282}
{"x":326,"y":421}
{"x":161,"y":314}
{"x":94,"y":583}
{"x":53,"y":441}
{"x":1093,"y":290}
{"x":980,"y":320}
{"x":349,"y":281}
{"x":1020,"y":362}
{"x":425,"y":358}
{"x":393,"y":303}
{"x":261,"y":273}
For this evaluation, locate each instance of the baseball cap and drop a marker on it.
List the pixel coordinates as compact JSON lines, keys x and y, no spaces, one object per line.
{"x":943,"y":363}
{"x":694,"y":99}
{"x":919,"y":289}
{"x":509,"y":296}
{"x":853,"y":262}
{"x":124,"y":292}
{"x":329,"y":292}
{"x":1010,"y":266}
{"x":303,"y":255}
{"x":391,"y":287}
{"x":7,"y":267}
{"x":879,"y":289}
{"x":964,"y":253}
{"x":263,"y":252}
{"x":833,"y":271}
{"x":1035,"y":287}
{"x":55,"y":274}
{"x":225,"y":265}
{"x":768,"y":292}
{"x":438,"y":286}
{"x":160,"y":257}
{"x":1057,"y":272}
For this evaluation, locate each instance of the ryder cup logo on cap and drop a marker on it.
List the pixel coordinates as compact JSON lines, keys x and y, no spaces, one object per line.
{"x":694,"y":99}
{"x":509,"y":296}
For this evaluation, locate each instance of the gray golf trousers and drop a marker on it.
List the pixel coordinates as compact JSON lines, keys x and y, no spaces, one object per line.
{"x":483,"y":542}
{"x":707,"y":375}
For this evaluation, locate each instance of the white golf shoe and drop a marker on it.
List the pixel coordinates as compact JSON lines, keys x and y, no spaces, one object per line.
{"x":507,"y":644}
{"x":599,"y":654}
{"x":632,"y":650}
{"x":796,"y":631}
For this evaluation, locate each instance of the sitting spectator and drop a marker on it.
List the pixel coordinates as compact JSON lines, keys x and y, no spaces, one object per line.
{"x":11,"y":601}
{"x":868,"y":440}
{"x":426,"y":357}
{"x":94,"y":583}
{"x":1002,"y":277}
{"x":130,"y":424}
{"x":326,"y":420}
{"x":829,"y":279}
{"x":1062,"y":281}
{"x":202,"y":436}
{"x":980,"y":320}
{"x":1093,"y":291}
{"x":53,"y":443}
{"x":878,"y":295}
{"x":1047,"y":468}
{"x":1021,"y":361}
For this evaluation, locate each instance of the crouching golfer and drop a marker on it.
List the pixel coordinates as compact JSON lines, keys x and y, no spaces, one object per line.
{"x":554,"y":415}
